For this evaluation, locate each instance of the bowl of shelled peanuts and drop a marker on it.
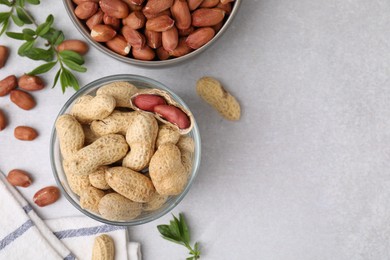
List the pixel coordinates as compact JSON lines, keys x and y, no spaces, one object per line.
{"x":125,"y":150}
{"x":152,"y":33}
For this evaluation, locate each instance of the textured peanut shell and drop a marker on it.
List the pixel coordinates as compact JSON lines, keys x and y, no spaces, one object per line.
{"x":166,"y":170}
{"x":213,"y":93}
{"x":122,"y":91}
{"x":98,"y":178}
{"x":116,"y":123}
{"x":88,"y":108}
{"x":114,"y":206}
{"x":170,"y":101}
{"x":77,"y":183}
{"x":103,"y":248}
{"x":90,"y":136}
{"x":131,"y":184}
{"x":156,"y":202}
{"x":141,"y":137}
{"x":104,"y":151}
{"x":167,"y":134}
{"x":90,"y":197}
{"x":70,"y":135}
{"x":187,"y":148}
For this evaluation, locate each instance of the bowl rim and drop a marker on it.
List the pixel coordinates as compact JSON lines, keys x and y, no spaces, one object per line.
{"x":194,"y":132}
{"x":149,"y":64}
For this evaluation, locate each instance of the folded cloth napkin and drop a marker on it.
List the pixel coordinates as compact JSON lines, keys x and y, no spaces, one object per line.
{"x":23,"y":235}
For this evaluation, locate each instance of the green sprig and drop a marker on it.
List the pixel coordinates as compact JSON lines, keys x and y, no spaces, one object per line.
{"x":67,"y":60}
{"x":178,"y":232}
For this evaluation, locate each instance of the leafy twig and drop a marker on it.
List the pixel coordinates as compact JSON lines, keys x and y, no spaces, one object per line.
{"x":45,"y":32}
{"x":177,"y":231}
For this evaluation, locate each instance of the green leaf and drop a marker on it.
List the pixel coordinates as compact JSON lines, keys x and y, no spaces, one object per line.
{"x":25,"y":47}
{"x":20,"y":3}
{"x":56,"y":79}
{"x":16,"y":36}
{"x":4,"y":16}
{"x":17,"y":21}
{"x":23,"y":15}
{"x":60,"y":38}
{"x":33,"y":2}
{"x":40,"y":54}
{"x":5,"y":2}
{"x":190,"y":258}
{"x":73,"y":56}
{"x":165,"y":231}
{"x":5,"y":26}
{"x":175,"y":228}
{"x":29,"y":35}
{"x":70,"y":79}
{"x":64,"y":81}
{"x":43,"y":28}
{"x":74,"y":66}
{"x":43,"y":68}
{"x":184,"y":229}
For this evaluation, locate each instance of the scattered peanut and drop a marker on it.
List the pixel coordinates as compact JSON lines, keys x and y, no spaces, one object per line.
{"x":22,"y":99}
{"x":103,"y":248}
{"x":3,"y":120}
{"x":30,"y":83}
{"x":3,"y":55}
{"x":213,"y":93}
{"x":19,"y":177}
{"x":25,"y":133}
{"x":78,"y":46}
{"x":46,"y":196}
{"x":7,"y":84}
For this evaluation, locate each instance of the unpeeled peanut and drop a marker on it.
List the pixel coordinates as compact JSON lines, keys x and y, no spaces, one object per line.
{"x":90,"y":197}
{"x":25,"y":133}
{"x":214,"y":94}
{"x":46,"y":196}
{"x":17,"y":177}
{"x":114,"y":206}
{"x":103,"y":248}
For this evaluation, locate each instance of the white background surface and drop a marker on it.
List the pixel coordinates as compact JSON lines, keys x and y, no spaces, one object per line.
{"x":303,"y":175}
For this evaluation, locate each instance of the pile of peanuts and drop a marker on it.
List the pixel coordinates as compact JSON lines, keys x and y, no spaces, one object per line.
{"x":125,"y":150}
{"x":153,"y":29}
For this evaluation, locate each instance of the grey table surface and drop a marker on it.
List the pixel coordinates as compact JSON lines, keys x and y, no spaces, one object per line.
{"x":303,"y":175}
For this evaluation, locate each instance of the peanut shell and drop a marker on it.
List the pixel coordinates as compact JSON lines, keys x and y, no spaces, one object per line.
{"x":114,"y":206}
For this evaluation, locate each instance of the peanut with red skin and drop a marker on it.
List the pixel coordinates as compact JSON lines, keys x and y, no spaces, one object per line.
{"x":157,"y":6}
{"x":86,"y":9}
{"x":133,"y":37}
{"x":7,"y":84}
{"x":3,"y":120}
{"x":119,"y":45}
{"x":135,"y":20}
{"x":25,"y":133}
{"x":153,"y":39}
{"x":170,"y":39}
{"x":4,"y":52}
{"x":173,"y":114}
{"x":114,"y":8}
{"x":181,"y":14}
{"x":17,"y":177}
{"x":95,"y":19}
{"x":30,"y":83}
{"x":22,"y":99}
{"x":74,"y":45}
{"x":160,"y":23}
{"x":102,"y":33}
{"x":207,"y":17}
{"x":46,"y":196}
{"x":144,"y":53}
{"x":147,"y":102}
{"x":200,"y":37}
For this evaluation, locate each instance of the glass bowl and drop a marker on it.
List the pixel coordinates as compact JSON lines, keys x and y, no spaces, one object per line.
{"x":56,"y":158}
{"x":84,"y":30}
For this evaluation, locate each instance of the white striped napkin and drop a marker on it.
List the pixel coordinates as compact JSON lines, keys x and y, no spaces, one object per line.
{"x":23,"y":235}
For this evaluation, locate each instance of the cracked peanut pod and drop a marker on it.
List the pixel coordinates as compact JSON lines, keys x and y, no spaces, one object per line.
{"x":103,"y":248}
{"x":166,"y":170}
{"x":120,"y":90}
{"x":187,"y":148}
{"x":114,"y":206}
{"x":141,"y":137}
{"x":90,"y":197}
{"x":213,"y":93}
{"x":130,"y":184}
{"x":167,"y":134}
{"x":104,"y":151}
{"x":155,"y":203}
{"x":88,"y":108}
{"x":70,"y":135}
{"x":116,"y":123}
{"x":98,"y":178}
{"x":170,"y":101}
{"x":90,"y":136}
